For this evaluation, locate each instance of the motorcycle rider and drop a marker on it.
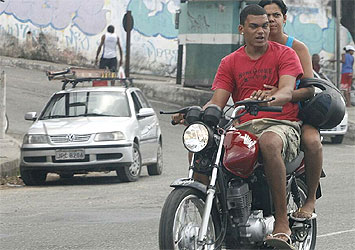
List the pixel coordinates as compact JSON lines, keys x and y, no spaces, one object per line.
{"x":243,"y":74}
{"x":310,"y":138}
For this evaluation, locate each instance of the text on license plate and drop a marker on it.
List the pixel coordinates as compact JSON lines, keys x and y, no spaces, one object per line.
{"x":70,"y":154}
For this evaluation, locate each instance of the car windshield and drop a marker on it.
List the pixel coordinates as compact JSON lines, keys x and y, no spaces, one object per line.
{"x":95,"y":103}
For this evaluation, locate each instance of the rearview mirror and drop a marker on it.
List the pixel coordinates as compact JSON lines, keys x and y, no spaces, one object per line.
{"x":31,"y":116}
{"x":145,"y":112}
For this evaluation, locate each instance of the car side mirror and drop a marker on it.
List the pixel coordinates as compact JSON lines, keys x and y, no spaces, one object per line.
{"x":31,"y":116}
{"x":145,"y":112}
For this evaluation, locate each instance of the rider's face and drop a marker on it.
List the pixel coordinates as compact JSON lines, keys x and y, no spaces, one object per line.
{"x":276,"y":18}
{"x":256,"y":30}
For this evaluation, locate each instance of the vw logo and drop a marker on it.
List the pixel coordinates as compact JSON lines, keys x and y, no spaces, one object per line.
{"x":71,"y":137}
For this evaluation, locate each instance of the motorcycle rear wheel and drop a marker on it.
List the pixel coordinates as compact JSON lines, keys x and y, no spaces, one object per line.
{"x":181,"y":219}
{"x":309,"y":239}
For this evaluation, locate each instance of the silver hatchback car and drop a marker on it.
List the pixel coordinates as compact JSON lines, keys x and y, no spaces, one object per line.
{"x":92,"y":129}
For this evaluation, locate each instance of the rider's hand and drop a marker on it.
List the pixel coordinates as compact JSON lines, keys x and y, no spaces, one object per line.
{"x":178,"y":118}
{"x":260,"y":95}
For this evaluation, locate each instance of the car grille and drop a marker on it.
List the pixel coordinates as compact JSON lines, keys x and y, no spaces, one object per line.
{"x":69,"y":138}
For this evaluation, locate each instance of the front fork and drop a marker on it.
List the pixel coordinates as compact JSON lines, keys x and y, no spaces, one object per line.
{"x":211,"y":190}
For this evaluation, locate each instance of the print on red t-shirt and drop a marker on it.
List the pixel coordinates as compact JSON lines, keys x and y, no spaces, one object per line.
{"x":241,"y":75}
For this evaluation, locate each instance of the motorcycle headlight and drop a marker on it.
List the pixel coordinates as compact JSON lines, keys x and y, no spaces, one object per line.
{"x":196,"y":137}
{"x":35,"y":139}
{"x":109,"y":136}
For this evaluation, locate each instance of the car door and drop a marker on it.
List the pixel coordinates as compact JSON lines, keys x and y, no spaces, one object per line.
{"x":147,"y":128}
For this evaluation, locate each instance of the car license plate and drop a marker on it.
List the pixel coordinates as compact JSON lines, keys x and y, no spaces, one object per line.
{"x":69,"y":154}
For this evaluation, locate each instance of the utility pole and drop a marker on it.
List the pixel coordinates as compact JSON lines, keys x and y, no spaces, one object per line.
{"x":337,"y":43}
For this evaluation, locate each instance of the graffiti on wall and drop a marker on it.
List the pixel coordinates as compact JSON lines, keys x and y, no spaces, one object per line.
{"x":88,"y":16}
{"x":317,"y":37}
{"x":156,"y":17}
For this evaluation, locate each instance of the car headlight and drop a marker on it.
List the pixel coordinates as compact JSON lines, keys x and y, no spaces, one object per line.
{"x":109,"y":136}
{"x":196,"y":137}
{"x":35,"y":139}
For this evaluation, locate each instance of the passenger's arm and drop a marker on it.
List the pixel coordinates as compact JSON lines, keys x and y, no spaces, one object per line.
{"x":302,"y":52}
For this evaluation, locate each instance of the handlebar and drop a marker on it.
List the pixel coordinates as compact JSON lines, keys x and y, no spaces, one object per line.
{"x":250,"y":106}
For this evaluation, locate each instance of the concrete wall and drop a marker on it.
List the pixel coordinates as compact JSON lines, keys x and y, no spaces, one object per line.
{"x":69,"y":31}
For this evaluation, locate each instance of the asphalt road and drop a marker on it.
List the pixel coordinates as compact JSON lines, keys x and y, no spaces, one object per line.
{"x":96,"y":211}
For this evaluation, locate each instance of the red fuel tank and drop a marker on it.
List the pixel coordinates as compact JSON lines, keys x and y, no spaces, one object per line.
{"x":241,"y":152}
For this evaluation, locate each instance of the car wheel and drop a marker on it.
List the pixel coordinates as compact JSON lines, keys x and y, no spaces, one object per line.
{"x":157,"y":168}
{"x":132,"y":172}
{"x":33,"y":177}
{"x":337,"y":139}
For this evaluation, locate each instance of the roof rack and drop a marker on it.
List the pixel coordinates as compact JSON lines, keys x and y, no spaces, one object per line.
{"x":75,"y":75}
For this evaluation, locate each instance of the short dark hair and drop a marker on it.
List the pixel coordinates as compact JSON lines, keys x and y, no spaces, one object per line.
{"x":110,"y":29}
{"x":280,"y":3}
{"x":252,"y":9}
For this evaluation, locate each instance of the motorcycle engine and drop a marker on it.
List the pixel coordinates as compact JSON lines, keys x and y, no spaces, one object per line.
{"x":239,"y":199}
{"x":252,"y":225}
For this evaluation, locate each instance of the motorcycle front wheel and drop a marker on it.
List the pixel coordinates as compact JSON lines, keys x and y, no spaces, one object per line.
{"x":305,"y":233}
{"x":181,"y":219}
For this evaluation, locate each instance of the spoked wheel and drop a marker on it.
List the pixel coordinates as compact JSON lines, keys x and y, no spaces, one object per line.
{"x":132,"y":172}
{"x":304,"y":233}
{"x":181,"y":219}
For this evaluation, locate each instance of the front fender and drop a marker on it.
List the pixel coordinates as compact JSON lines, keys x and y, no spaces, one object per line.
{"x":189,"y":182}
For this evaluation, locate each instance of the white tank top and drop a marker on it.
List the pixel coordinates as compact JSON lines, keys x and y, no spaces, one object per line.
{"x":110,"y":45}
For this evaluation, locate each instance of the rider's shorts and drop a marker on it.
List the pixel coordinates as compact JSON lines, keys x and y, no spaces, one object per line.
{"x":289,"y":132}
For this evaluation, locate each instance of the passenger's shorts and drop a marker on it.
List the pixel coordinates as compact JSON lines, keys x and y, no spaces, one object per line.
{"x":345,"y":82}
{"x":288,"y":131}
{"x":110,"y":63}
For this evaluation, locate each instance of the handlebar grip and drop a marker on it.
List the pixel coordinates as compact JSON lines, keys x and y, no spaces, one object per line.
{"x":174,"y":123}
{"x":271,"y":109}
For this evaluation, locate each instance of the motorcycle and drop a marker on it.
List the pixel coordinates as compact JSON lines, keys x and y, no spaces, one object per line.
{"x":235,"y":210}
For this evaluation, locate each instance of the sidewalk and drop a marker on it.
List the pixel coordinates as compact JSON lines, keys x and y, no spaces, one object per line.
{"x":154,"y":87}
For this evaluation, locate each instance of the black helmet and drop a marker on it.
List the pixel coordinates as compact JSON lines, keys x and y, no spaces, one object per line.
{"x":324,"y":110}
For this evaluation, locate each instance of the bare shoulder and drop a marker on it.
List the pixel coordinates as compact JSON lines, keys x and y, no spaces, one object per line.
{"x":299,"y":47}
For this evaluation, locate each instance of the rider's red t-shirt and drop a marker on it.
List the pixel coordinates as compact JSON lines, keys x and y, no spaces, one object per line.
{"x":241,"y":75}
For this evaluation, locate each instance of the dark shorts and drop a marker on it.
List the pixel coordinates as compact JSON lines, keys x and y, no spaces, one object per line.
{"x":110,"y":63}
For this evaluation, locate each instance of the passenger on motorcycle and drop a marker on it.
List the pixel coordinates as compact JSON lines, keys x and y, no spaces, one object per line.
{"x":310,"y":138}
{"x":243,"y":75}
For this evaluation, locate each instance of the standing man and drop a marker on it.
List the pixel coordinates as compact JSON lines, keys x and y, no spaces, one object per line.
{"x":347,"y":61}
{"x":244,"y":74}
{"x":109,"y":54}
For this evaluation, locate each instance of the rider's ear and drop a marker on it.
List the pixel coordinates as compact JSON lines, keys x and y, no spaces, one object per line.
{"x":241,"y":29}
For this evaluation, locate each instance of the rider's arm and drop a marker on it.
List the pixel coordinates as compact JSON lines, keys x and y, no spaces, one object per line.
{"x":284,"y":93}
{"x":220,"y":98}
{"x":302,"y":52}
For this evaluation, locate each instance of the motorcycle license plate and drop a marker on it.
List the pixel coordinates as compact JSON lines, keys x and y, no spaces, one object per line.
{"x":77,"y":154}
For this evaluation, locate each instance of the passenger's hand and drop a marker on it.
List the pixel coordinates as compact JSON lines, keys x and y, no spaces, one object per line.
{"x":178,"y":118}
{"x":272,"y":89}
